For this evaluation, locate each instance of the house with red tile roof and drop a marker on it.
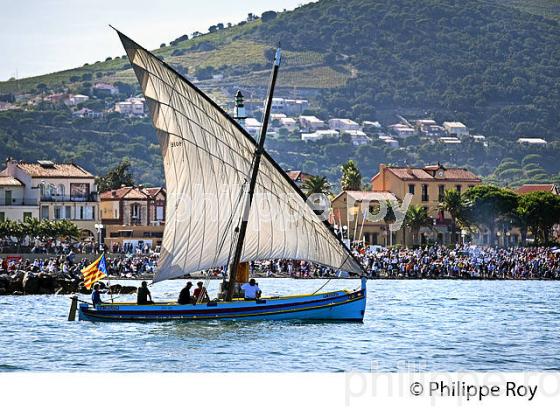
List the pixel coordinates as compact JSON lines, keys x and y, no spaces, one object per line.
{"x":426,"y":186}
{"x":133,"y":216}
{"x":527,"y":188}
{"x":49,"y":190}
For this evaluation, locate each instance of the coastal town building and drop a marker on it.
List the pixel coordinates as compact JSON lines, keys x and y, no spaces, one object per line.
{"x":455,"y":128}
{"x":402,"y":131}
{"x":343,"y":124}
{"x":289,"y":106}
{"x":427,"y":186}
{"x":49,"y":190}
{"x":73,"y":100}
{"x":104,"y":89}
{"x":532,"y":141}
{"x":87,"y":113}
{"x":319,"y":135}
{"x":289,"y":123}
{"x":450,"y":140}
{"x":311,"y":123}
{"x":131,"y":106}
{"x":358,"y":137}
{"x":252,"y":126}
{"x":298,"y":177}
{"x":528,"y":188}
{"x":359,"y":216}
{"x":390,"y":141}
{"x":133,"y":216}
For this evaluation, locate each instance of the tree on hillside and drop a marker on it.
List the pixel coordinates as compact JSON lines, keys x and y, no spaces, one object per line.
{"x":351,"y":177}
{"x":268,"y":15}
{"x":486,"y":205}
{"x":453,"y":204}
{"x":540,"y":211}
{"x":116,"y":177}
{"x":416,"y":218}
{"x":316,"y":185}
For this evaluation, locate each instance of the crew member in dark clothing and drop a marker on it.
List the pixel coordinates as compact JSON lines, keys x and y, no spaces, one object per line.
{"x":185,"y":295}
{"x":143,"y":294}
{"x":96,"y":295}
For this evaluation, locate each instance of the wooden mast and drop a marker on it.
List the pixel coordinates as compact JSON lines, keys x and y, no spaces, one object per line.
{"x":255,"y":172}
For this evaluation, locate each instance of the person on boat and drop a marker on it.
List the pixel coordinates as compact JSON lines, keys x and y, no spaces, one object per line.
{"x":96,"y":296}
{"x":143,"y":294}
{"x":251,"y":289}
{"x":200,"y":293}
{"x":185,"y":295}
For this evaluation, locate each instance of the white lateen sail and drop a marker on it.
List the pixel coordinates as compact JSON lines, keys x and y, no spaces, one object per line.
{"x":207,"y":161}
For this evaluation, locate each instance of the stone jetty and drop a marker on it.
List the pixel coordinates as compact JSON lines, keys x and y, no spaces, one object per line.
{"x":30,"y":283}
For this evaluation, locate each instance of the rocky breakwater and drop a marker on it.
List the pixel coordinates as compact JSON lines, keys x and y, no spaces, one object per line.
{"x":42,"y":283}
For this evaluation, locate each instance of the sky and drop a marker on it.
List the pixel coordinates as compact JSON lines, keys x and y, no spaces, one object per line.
{"x":44,"y":36}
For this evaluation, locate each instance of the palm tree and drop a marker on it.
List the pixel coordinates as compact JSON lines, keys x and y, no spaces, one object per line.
{"x":351,"y":177}
{"x":316,"y":185}
{"x":416,"y":218}
{"x":454,"y":204}
{"x":389,"y":219}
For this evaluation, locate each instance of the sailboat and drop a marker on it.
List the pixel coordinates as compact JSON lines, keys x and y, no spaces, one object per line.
{"x":228,"y":203}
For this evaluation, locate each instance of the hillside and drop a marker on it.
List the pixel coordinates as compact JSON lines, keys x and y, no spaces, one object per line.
{"x":492,"y":64}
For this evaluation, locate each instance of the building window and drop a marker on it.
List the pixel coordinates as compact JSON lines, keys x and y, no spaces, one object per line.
{"x":87,"y":212}
{"x":425,"y":196}
{"x":135,"y":214}
{"x":2,"y":216}
{"x":458,"y":188}
{"x":44,"y":212}
{"x":159,"y":213}
{"x":441,"y":193}
{"x":68,"y":212}
{"x":60,"y":191}
{"x":411,"y":189}
{"x":27,"y":216}
{"x":8,"y":198}
{"x":58,"y":212}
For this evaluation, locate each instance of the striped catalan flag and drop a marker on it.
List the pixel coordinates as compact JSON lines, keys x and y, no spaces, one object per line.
{"x":95,"y":272}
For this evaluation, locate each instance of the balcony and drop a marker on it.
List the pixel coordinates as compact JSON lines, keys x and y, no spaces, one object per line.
{"x":70,"y":198}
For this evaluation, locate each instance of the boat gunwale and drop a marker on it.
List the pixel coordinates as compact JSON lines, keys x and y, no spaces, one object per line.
{"x":174,"y":315}
{"x":236,"y":300}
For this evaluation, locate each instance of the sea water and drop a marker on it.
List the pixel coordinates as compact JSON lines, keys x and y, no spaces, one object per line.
{"x":426,"y":325}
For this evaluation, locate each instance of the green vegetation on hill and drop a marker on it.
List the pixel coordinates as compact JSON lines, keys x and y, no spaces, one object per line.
{"x":492,"y":67}
{"x":492,"y":64}
{"x":96,"y":145}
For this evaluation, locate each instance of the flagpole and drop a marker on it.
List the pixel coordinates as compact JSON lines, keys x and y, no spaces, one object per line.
{"x":356,"y":225}
{"x":108,"y":280}
{"x":362,"y":227}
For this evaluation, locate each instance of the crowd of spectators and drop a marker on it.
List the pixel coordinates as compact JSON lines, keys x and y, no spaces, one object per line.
{"x":462,"y":262}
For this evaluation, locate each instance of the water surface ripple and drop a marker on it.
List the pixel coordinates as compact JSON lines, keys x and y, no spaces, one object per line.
{"x":425,"y":325}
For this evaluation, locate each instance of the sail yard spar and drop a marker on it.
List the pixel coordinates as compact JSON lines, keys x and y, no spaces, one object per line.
{"x":208,"y":160}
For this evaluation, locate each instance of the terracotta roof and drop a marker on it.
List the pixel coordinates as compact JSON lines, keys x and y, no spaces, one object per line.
{"x":54,"y":170}
{"x":131,"y":193}
{"x":428,"y":173}
{"x":10,"y":181}
{"x":526,"y":188}
{"x":152,"y":192}
{"x":295,"y":175}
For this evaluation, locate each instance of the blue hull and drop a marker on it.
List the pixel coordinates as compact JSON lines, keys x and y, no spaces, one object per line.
{"x":337,"y":305}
